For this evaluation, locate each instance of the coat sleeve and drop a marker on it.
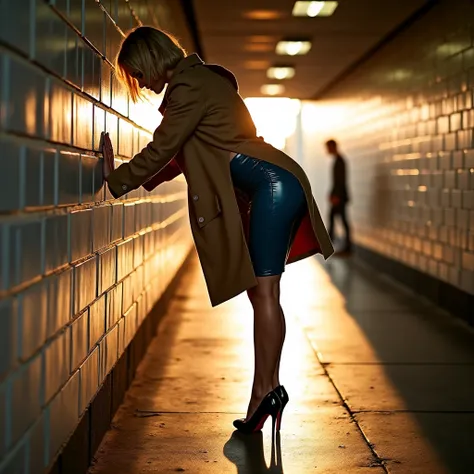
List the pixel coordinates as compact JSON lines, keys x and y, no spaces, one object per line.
{"x":184,"y":112}
{"x":169,"y":172}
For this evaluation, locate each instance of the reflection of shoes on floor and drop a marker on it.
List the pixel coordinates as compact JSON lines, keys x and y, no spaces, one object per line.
{"x":246,"y":450}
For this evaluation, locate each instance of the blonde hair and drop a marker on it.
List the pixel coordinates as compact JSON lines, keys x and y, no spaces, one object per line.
{"x":149,"y":51}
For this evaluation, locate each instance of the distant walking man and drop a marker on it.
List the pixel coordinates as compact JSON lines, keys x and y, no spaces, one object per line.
{"x":339,"y":196}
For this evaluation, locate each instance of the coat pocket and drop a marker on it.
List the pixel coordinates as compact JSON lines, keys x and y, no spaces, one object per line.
{"x":206,"y":208}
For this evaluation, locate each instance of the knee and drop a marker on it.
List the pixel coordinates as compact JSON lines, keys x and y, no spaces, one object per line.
{"x":265,"y":294}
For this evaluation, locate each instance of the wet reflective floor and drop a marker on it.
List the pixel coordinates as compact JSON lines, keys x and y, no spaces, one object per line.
{"x":379,"y":381}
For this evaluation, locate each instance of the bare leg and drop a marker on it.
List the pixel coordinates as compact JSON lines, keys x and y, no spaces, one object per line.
{"x":276,"y":374}
{"x":268,"y":336}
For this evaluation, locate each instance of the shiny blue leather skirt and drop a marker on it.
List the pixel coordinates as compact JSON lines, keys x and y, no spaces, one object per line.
{"x":277,"y":207}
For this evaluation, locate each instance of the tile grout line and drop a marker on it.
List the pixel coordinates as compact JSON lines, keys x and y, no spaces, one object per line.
{"x":378,"y":459}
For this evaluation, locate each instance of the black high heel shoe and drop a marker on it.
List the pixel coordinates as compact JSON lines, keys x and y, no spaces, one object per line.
{"x":284,"y":398}
{"x":269,"y":406}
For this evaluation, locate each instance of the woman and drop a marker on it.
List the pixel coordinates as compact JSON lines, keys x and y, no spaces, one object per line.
{"x":250,"y":206}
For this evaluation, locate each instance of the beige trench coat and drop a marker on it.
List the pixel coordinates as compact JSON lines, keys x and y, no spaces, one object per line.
{"x":204,"y":119}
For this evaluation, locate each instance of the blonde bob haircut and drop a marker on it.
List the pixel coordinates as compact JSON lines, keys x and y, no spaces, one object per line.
{"x":149,"y":51}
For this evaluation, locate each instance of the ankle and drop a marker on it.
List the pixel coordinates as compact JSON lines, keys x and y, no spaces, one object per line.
{"x":259,"y":391}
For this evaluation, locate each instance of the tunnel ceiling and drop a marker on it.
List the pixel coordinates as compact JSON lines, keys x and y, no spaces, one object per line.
{"x":229,"y":36}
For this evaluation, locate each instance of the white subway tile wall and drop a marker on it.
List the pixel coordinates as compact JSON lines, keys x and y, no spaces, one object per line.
{"x":79,"y":271}
{"x":405,"y":120}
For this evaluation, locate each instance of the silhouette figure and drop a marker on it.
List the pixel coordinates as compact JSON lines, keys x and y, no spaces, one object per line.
{"x":339,"y":196}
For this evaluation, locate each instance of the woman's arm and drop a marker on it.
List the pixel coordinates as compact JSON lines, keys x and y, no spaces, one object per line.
{"x":185,"y":109}
{"x":169,"y":172}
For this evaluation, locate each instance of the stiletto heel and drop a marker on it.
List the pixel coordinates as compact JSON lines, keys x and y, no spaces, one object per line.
{"x":282,"y":394}
{"x":270,"y":406}
{"x":274,"y":423}
{"x":278,"y":421}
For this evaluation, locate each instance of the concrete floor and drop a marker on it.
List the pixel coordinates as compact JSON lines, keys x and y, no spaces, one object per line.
{"x":379,"y":382}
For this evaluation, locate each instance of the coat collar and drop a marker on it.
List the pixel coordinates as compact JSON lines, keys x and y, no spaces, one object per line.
{"x":188,"y":61}
{"x":185,"y":63}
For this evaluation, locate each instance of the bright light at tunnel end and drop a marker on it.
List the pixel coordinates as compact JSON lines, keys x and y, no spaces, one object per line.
{"x":275,"y":118}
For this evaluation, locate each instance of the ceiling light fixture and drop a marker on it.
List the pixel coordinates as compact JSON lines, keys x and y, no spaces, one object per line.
{"x":262,"y":39}
{"x":262,"y":14}
{"x":256,"y":64}
{"x":258,"y":47}
{"x":280,"y":72}
{"x":293,"y":48}
{"x":313,"y":9}
{"x":272,"y":89}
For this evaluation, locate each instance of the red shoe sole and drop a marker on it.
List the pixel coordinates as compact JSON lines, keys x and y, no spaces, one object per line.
{"x":260,"y":424}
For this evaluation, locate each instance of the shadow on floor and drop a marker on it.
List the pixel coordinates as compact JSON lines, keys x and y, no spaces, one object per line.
{"x":425,"y":354}
{"x":247,"y":453}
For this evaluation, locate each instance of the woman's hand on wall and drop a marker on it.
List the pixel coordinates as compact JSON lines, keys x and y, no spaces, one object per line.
{"x":108,"y":152}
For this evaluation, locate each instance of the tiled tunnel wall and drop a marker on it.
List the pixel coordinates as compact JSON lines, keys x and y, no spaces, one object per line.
{"x":79,"y":271}
{"x":405,"y":120}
